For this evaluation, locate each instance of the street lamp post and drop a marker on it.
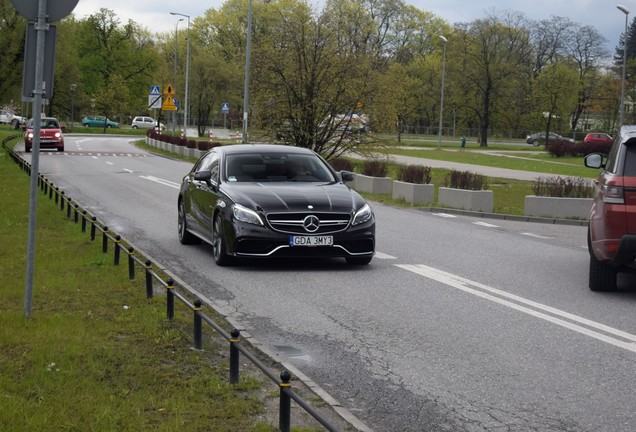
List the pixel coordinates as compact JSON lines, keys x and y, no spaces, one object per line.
{"x":246,"y":89}
{"x":441,"y":104}
{"x":176,"y":44}
{"x":622,"y":107}
{"x":186,"y":107}
{"x":72,"y":87}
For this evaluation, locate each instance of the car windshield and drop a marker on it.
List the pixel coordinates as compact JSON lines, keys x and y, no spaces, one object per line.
{"x":49,"y":123}
{"x":276,"y":167}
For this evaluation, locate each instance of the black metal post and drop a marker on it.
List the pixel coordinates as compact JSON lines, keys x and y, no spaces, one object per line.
{"x":131,"y":263}
{"x":148,"y":279}
{"x":68,"y":208}
{"x":105,"y":239}
{"x":234,"y":355}
{"x":117,"y":249}
{"x":84,"y":221}
{"x":51,"y":192}
{"x":284,"y":420}
{"x":93,"y":227}
{"x":170,"y":299}
{"x":62,"y":200}
{"x":198,"y":333}
{"x":76,"y":213}
{"x":57,"y":194}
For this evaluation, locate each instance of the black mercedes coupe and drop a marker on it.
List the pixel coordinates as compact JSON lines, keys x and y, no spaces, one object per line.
{"x":262,"y":200}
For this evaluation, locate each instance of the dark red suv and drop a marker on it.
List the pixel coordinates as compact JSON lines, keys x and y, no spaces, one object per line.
{"x":612,"y":228}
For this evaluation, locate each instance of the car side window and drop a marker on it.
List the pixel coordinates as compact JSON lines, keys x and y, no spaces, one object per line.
{"x":630,"y":161}
{"x":612,"y":158}
{"x":205,"y":164}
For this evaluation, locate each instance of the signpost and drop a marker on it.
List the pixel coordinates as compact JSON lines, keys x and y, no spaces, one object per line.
{"x":225,"y":108}
{"x":42,"y":12}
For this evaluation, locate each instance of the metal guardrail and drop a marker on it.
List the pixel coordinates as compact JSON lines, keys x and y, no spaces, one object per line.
{"x":84,"y":218}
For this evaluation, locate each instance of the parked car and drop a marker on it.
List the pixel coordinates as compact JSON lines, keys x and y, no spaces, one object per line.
{"x":598,"y":138}
{"x":612,"y":227}
{"x":51,"y":135}
{"x":12,"y":119}
{"x":539,"y":138}
{"x":144,"y":122}
{"x":99,"y":121}
{"x":268,"y":200}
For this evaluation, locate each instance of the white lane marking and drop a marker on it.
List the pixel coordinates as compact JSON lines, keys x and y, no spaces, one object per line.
{"x":461,"y":283}
{"x":161,"y":181}
{"x":446,"y":215}
{"x":94,"y":157}
{"x":109,"y":163}
{"x":380,"y":255}
{"x":535,"y":235}
{"x":128,"y":170}
{"x":485,"y":224}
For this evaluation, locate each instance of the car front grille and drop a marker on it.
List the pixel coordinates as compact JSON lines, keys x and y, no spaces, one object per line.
{"x":309,"y":223}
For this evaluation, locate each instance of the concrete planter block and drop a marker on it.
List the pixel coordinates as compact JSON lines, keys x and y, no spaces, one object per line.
{"x":476,"y":200}
{"x":413,"y":193}
{"x":557,"y":207}
{"x":374,"y":185}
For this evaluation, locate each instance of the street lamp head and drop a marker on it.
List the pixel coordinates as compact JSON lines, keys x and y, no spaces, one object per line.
{"x":623,"y":9}
{"x":443,"y":39}
{"x":73,"y":87}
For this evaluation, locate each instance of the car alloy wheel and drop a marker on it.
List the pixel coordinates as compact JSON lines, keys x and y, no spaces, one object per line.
{"x":185,"y":236}
{"x":219,"y":248}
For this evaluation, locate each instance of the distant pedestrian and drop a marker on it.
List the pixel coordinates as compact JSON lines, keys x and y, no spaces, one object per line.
{"x":462,"y":142}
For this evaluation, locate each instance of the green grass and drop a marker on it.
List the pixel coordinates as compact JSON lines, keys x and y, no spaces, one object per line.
{"x":95,"y":354}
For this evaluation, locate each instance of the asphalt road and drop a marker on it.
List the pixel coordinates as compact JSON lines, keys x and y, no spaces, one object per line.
{"x":458,"y":324}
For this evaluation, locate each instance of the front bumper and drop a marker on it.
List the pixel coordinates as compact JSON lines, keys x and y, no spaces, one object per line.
{"x":254,"y":241}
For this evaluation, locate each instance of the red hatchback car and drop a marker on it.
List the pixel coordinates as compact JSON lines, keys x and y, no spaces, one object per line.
{"x":598,"y":138}
{"x":612,"y":227}
{"x":51,"y":135}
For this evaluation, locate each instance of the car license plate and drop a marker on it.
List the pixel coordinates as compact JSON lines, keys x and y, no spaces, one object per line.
{"x":311,"y":240}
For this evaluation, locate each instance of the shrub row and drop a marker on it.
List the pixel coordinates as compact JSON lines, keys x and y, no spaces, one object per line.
{"x":465,"y":180}
{"x":568,"y":148}
{"x":177,"y":140}
{"x":563,"y":187}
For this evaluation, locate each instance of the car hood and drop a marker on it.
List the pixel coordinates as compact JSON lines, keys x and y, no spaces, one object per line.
{"x":274,"y":197}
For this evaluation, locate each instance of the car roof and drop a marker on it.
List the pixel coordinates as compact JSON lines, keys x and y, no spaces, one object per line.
{"x":628,"y":132}
{"x":263,"y":148}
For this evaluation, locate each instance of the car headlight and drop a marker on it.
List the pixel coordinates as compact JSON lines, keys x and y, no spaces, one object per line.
{"x":30,"y":135}
{"x":363,"y":215}
{"x":58,"y":134}
{"x":246,"y":215}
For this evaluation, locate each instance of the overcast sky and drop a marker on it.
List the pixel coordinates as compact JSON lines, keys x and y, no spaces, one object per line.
{"x":600,"y":14}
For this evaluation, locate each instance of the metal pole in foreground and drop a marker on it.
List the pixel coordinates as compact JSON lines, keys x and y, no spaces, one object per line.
{"x":622,"y":107}
{"x":41,"y":27}
{"x":246,"y":90}
{"x":441,"y":105}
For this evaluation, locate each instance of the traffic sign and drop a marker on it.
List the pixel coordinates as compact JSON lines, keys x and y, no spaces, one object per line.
{"x":225,"y":107}
{"x":55,"y":10}
{"x":169,"y":90}
{"x":155,"y":90}
{"x":168,"y":104}
{"x":154,"y":102}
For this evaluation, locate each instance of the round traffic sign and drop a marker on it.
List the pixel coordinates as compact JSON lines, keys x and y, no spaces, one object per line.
{"x":55,"y":9}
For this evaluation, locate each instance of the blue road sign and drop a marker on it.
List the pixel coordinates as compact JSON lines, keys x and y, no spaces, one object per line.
{"x":225,"y":107}
{"x":155,"y":90}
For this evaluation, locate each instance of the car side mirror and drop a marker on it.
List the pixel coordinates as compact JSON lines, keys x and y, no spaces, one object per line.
{"x":347,"y":176}
{"x":205,"y":176}
{"x":594,"y":160}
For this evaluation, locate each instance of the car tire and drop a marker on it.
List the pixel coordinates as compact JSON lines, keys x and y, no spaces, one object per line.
{"x":602,"y":275}
{"x":219,"y":245}
{"x":185,"y":236}
{"x":358,"y":261}
{"x":85,"y":125}
{"x":60,"y":149}
{"x":27,"y":149}
{"x":535,"y":143}
{"x":135,"y":127}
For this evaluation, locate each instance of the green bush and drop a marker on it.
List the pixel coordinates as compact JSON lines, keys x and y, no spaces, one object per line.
{"x":465,"y":180}
{"x":563,"y":187}
{"x":417,"y":174}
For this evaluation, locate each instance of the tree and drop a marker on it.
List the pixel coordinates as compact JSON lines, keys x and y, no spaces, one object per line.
{"x":12,"y":31}
{"x":492,"y":53}
{"x":552,"y":93}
